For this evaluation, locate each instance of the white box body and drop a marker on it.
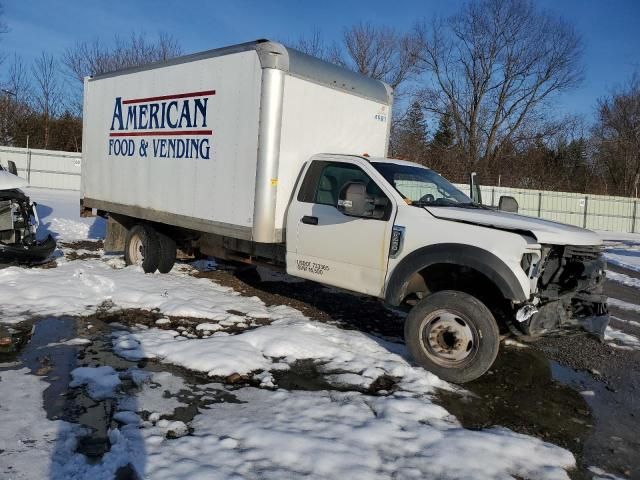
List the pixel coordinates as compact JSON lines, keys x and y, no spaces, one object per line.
{"x":226,"y":134}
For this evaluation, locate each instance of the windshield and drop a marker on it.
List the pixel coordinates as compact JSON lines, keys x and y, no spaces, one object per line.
{"x":422,"y":187}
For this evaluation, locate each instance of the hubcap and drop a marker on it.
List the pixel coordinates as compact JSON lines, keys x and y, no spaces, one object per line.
{"x":136,"y":250}
{"x":448,"y":337}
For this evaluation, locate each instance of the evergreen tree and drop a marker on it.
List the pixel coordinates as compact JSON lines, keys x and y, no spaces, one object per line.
{"x":444,"y":136}
{"x":411,"y":140}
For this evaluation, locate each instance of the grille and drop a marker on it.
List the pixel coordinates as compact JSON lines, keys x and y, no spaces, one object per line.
{"x":588,"y":252}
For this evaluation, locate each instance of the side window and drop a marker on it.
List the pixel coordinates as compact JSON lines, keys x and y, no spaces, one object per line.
{"x":325,"y":180}
{"x":334,"y":177}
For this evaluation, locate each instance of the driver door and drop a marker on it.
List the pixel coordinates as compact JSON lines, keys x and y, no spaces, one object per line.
{"x":329,"y":247}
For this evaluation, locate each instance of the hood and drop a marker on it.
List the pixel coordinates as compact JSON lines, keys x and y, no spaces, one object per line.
{"x":9,"y":181}
{"x":544,"y":231}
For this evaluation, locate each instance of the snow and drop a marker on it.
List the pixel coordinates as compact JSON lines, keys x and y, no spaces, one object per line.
{"x":626,"y":339}
{"x":631,"y":307}
{"x":157,"y":394}
{"x":600,"y":474}
{"x":625,"y":255}
{"x":359,"y":358}
{"x":80,"y":287}
{"x":59,"y":212}
{"x":624,"y":320}
{"x":319,"y":435}
{"x":623,"y":279}
{"x":101,"y":382}
{"x":127,"y":417}
{"x":28,"y":439}
{"x":73,"y":342}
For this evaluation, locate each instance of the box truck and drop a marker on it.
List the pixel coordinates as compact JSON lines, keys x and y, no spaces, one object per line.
{"x":262,"y":154}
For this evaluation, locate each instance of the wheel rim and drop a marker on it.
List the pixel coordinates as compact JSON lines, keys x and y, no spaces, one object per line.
{"x":136,"y":250}
{"x":449,"y":338}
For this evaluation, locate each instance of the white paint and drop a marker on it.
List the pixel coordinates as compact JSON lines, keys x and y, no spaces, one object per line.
{"x":545,"y":231}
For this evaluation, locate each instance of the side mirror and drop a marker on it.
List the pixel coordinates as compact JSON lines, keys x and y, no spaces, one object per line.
{"x":474,"y":188}
{"x":508,"y":204}
{"x":354,"y":200}
{"x":12,"y":167}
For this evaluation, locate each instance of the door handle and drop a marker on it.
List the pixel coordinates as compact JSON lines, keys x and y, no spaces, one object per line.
{"x":309,"y":220}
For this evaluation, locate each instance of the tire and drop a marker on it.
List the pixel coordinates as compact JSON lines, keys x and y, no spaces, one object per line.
{"x":142,"y":248}
{"x":453,"y":335}
{"x":167,"y":257}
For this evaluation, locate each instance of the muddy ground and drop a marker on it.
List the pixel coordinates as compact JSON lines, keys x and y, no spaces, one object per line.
{"x":573,"y":391}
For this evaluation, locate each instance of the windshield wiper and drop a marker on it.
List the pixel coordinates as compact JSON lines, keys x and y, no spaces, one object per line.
{"x":443,"y":202}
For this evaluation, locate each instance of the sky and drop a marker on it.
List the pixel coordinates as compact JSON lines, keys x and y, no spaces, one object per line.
{"x":609,"y":28}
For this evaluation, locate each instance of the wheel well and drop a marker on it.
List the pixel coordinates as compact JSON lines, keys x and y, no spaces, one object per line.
{"x":447,"y":276}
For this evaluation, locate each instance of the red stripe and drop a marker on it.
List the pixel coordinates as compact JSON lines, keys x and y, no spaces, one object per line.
{"x":204,"y":93}
{"x":161,"y":134}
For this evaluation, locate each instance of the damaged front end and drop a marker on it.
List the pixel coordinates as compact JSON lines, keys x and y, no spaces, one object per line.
{"x":18,"y":226}
{"x":569,"y":294}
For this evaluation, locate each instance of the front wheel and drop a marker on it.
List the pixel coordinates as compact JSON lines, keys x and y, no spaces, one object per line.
{"x":452,"y":334}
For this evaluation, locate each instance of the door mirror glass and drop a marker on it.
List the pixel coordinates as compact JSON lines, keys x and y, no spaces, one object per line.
{"x":508,"y":204}
{"x":12,"y":167}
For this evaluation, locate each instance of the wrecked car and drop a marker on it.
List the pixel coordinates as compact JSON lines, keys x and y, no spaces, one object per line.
{"x":19,"y":223}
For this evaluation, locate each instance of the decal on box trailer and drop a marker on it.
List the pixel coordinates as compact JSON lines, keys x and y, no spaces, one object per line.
{"x":180,"y":118}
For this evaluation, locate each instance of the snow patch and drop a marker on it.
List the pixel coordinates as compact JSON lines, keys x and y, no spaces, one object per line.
{"x":626,"y":339}
{"x":319,"y":435}
{"x":101,"y":382}
{"x":623,"y":279}
{"x":80,"y":287}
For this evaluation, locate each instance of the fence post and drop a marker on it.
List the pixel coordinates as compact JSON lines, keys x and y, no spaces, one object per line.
{"x":28,"y":162}
{"x":584,"y":218}
{"x":539,"y":204}
{"x":633,"y":217}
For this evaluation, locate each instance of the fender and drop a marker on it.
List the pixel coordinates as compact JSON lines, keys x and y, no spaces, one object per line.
{"x":456,"y":254}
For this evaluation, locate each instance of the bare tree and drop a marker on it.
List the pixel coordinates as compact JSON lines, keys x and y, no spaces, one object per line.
{"x":13,"y":99}
{"x":493,"y":66}
{"x":17,"y":80}
{"x":48,"y":93}
{"x":93,"y":58}
{"x":377,"y":52}
{"x":616,"y":138}
{"x":381,"y":53}
{"x":315,"y":45}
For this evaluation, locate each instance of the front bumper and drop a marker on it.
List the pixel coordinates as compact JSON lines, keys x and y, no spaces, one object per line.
{"x":583,"y":312}
{"x":569,"y":296}
{"x":32,"y":253}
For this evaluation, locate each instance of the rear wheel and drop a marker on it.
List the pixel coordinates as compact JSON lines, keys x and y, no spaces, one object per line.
{"x":142,"y":248}
{"x":167,"y":257}
{"x":453,"y":335}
